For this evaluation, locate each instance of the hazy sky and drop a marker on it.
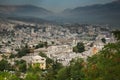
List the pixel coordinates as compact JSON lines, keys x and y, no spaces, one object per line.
{"x":55,"y":5}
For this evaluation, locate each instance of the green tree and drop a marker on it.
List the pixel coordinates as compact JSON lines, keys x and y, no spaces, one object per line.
{"x":104,"y":65}
{"x":72,"y":72}
{"x":0,"y":46}
{"x":103,"y":40}
{"x":64,"y":74}
{"x":76,"y":66}
{"x":40,"y":45}
{"x":32,"y":76}
{"x":21,"y":65}
{"x":4,"y":65}
{"x":46,"y":44}
{"x":8,"y":76}
{"x":23,"y":51}
{"x":53,"y":71}
{"x":79,"y":48}
{"x":42,"y":54}
{"x":12,"y":56}
{"x":117,"y":34}
{"x":52,"y":42}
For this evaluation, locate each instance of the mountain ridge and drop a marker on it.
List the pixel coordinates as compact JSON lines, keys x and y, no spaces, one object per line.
{"x":23,"y":10}
{"x":108,"y":13}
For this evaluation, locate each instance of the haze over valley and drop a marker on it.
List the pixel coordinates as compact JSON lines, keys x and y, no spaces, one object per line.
{"x":107,"y":13}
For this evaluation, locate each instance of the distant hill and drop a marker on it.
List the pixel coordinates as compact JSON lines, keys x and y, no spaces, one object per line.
{"x":108,"y":13}
{"x":23,"y":10}
{"x":99,"y":13}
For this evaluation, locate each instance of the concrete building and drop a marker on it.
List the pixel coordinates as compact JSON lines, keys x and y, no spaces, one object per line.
{"x":35,"y":61}
{"x":38,"y":61}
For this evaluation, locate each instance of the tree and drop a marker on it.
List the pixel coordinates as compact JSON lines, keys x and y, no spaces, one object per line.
{"x":42,"y":54}
{"x":46,"y":44}
{"x":12,"y":55}
{"x":117,"y":34}
{"x":23,"y":51}
{"x":32,"y":76}
{"x":75,"y":49}
{"x":72,"y":72}
{"x":0,"y":46}
{"x":76,"y":66}
{"x":4,"y":65}
{"x":104,"y":65}
{"x":52,"y":42}
{"x":79,"y":48}
{"x":63,"y":74}
{"x":21,"y":65}
{"x":8,"y":76}
{"x":103,"y":40}
{"x":40,"y":45}
{"x":53,"y":71}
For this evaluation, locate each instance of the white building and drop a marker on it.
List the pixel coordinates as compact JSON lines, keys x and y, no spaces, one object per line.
{"x":35,"y":61}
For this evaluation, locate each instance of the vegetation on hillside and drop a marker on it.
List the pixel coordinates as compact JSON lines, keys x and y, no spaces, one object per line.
{"x":102,"y":66}
{"x":79,"y":48}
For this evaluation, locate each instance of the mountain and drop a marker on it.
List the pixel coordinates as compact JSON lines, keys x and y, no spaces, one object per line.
{"x":99,"y":13}
{"x":108,"y":13}
{"x":23,"y":10}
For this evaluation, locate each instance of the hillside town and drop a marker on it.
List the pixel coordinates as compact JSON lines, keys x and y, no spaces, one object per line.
{"x":59,"y":39}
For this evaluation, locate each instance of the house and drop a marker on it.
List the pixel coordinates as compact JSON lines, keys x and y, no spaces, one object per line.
{"x":35,"y":61}
{"x":38,"y":61}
